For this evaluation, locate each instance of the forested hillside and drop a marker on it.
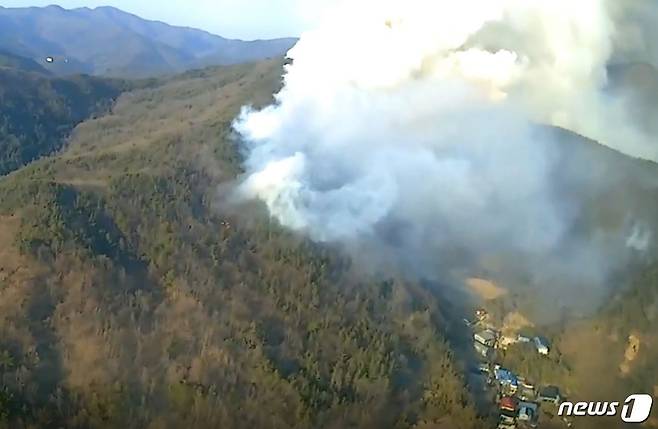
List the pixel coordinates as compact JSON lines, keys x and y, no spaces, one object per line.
{"x":620,"y":341}
{"x":133,"y":295}
{"x":11,"y":61}
{"x":37,"y":112}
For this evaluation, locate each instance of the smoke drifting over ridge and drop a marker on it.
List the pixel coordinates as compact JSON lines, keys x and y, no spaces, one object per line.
{"x":410,"y":126}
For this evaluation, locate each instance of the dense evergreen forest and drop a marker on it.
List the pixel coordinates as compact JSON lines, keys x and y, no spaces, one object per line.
{"x":133,"y":295}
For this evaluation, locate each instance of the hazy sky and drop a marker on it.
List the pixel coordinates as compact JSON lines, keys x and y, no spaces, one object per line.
{"x":246,"y":19}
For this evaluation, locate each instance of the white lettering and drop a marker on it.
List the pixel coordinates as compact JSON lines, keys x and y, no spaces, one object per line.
{"x":597,"y":408}
{"x":613,"y":409}
{"x":636,"y":409}
{"x":580,"y":409}
{"x":566,"y":409}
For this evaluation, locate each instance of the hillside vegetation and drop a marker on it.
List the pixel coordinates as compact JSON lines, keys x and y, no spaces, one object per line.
{"x":133,"y":295}
{"x":11,"y":61}
{"x":37,"y":112}
{"x":620,"y":341}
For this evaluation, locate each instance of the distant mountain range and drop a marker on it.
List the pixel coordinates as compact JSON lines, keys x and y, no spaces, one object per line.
{"x":107,"y":41}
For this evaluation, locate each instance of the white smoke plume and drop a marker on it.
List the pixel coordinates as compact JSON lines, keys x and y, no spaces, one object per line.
{"x":412,"y":124}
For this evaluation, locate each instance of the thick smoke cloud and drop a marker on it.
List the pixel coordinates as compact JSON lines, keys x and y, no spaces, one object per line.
{"x":410,"y":127}
{"x":636,"y":31}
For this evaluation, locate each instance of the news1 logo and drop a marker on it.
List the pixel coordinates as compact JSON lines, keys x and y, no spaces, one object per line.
{"x":636,"y":409}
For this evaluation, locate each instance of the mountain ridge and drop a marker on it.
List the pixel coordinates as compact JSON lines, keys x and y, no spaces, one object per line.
{"x":132,"y":46}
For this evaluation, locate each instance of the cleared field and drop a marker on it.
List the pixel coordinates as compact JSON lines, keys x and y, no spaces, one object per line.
{"x":485,"y":289}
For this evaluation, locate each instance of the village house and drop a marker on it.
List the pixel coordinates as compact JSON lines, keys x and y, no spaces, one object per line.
{"x":486,"y":337}
{"x":550,"y":394}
